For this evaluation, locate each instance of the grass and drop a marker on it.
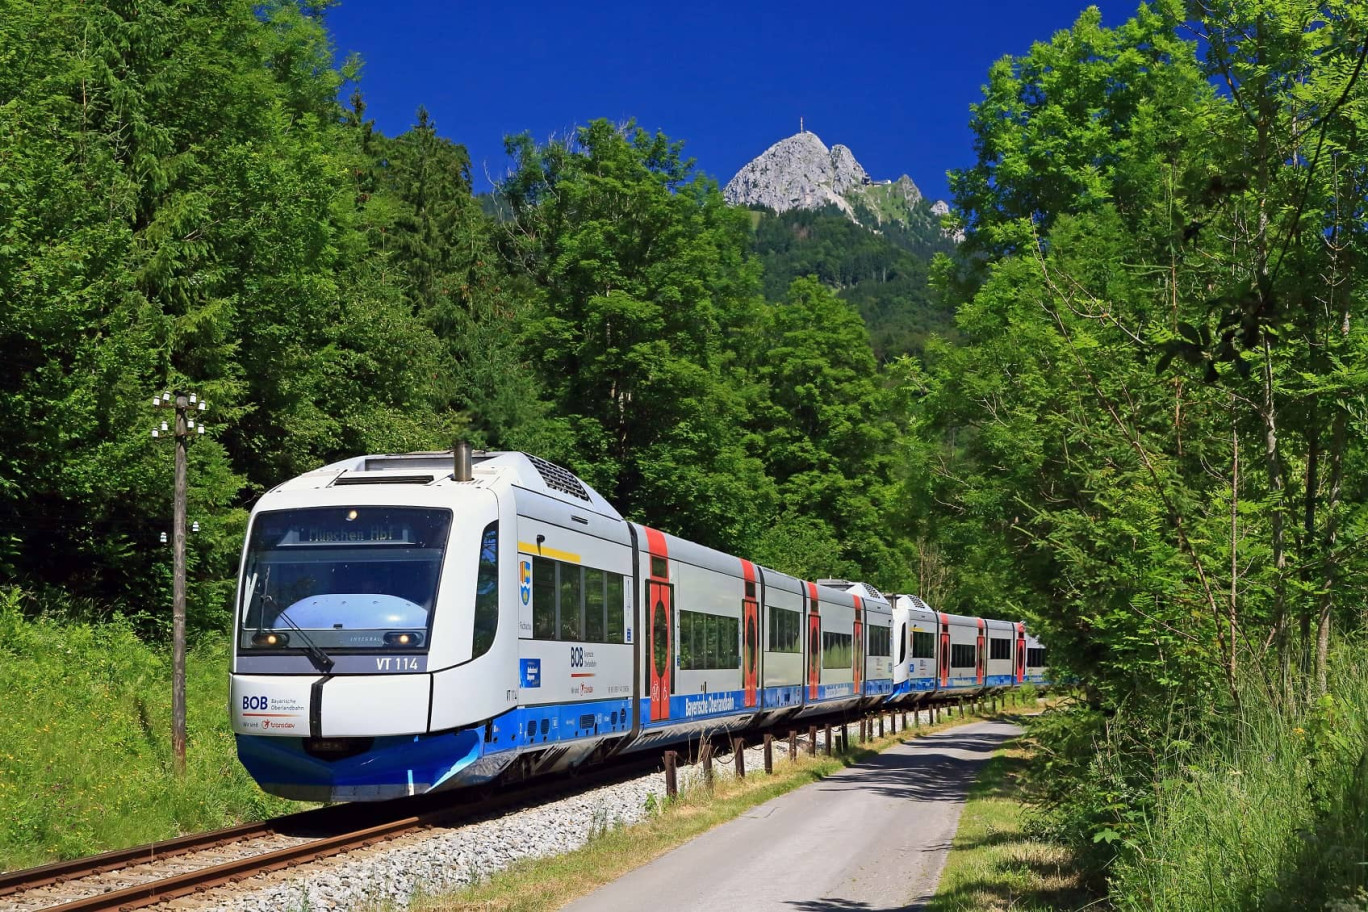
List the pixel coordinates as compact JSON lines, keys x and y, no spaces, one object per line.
{"x":993,"y":864}
{"x":85,"y":755}
{"x":551,"y":882}
{"x":1267,"y":811}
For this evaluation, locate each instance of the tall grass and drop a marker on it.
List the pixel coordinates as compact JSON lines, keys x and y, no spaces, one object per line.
{"x":85,"y":756}
{"x":1271,"y":812}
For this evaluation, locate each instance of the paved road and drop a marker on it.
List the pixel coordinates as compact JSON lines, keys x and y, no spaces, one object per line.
{"x":873,"y":837}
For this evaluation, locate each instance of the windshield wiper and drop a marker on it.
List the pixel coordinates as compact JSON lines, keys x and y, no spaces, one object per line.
{"x":321,"y":660}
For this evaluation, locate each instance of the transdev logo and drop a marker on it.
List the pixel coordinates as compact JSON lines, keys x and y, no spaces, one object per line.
{"x":525,"y":580}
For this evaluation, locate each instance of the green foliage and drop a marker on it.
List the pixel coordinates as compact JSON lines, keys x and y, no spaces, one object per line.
{"x":883,"y":274}
{"x":70,"y":787}
{"x":1149,"y":442}
{"x":641,"y":269}
{"x":827,"y":438}
{"x":1268,"y":811}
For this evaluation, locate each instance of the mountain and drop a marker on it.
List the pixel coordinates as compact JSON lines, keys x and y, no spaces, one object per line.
{"x":871,"y":241}
{"x":800,"y":172}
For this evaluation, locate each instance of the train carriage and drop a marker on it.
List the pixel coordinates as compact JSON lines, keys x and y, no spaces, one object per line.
{"x":921,"y":640}
{"x":960,"y":654}
{"x":1000,"y":663}
{"x":434,"y":620}
{"x":783,"y":670}
{"x":873,"y":637}
{"x":1036,"y":670}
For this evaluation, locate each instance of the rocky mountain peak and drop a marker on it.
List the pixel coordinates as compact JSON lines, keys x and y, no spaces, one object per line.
{"x":798,"y":172}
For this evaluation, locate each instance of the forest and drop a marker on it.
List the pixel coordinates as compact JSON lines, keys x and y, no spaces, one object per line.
{"x":1128,"y":408}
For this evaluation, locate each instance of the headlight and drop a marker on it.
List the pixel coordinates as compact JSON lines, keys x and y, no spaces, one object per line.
{"x":270,"y":638}
{"x":403,"y":638}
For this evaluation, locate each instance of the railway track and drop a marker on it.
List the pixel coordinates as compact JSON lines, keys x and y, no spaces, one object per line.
{"x":162,"y":872}
{"x":165,"y":871}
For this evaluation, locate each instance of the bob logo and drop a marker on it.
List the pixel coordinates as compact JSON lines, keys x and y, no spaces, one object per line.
{"x":525,"y":580}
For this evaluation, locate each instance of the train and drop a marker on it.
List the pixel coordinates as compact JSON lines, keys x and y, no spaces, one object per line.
{"x":423,"y":621}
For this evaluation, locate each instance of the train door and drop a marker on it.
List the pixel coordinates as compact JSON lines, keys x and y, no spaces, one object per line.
{"x":660,"y":604}
{"x":814,"y":664}
{"x":750,"y":620}
{"x":1020,"y":653}
{"x":857,"y":648}
{"x":979,"y":654}
{"x":944,"y":651}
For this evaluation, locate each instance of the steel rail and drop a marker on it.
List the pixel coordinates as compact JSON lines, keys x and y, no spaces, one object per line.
{"x":62,"y":871}
{"x":445,"y":808}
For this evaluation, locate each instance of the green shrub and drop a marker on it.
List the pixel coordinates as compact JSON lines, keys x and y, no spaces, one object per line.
{"x":85,"y":755}
{"x":1271,"y":812}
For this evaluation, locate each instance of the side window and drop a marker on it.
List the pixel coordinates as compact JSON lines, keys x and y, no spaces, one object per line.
{"x":708,"y":641}
{"x":487,"y":591}
{"x":923,"y":645}
{"x":878,"y":641}
{"x":962,"y":655}
{"x":543,"y":598}
{"x":615,"y":605}
{"x":569,"y":605}
{"x":1000,"y":648}
{"x":594,"y":621}
{"x":783,"y":630}
{"x":837,"y":650}
{"x":577,"y":604}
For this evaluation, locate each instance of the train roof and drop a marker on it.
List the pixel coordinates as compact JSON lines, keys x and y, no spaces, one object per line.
{"x":863,"y":590}
{"x":435,"y":469}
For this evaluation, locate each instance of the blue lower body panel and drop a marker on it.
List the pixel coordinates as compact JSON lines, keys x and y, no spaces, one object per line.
{"x":389,"y":768}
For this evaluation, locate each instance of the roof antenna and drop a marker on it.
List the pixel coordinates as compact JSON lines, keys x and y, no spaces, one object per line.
{"x":461,"y":470}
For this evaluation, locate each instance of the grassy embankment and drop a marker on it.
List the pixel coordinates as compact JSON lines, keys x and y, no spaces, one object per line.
{"x":1261,"y":809}
{"x":549,"y":883}
{"x":85,"y":742}
{"x":1268,"y":811}
{"x":994,"y":864}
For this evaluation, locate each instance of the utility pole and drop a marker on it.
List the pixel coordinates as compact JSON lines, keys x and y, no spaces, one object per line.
{"x":184,"y":428}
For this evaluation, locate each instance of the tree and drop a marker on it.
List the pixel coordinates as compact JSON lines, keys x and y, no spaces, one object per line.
{"x":641,"y":269}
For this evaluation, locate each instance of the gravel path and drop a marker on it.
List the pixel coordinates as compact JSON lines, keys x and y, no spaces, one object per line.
{"x":389,"y":874}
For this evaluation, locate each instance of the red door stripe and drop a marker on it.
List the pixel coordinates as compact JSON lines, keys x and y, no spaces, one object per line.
{"x":857,"y":657}
{"x":659,"y":599}
{"x":814,"y":641}
{"x":750,"y":632}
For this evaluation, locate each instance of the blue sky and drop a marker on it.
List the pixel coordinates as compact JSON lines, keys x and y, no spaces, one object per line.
{"x":893,"y":81}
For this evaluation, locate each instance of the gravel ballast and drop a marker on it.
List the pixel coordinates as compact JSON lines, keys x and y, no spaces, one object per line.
{"x":390,"y":874}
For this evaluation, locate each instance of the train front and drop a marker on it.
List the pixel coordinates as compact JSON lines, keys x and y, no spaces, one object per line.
{"x":359,"y":581}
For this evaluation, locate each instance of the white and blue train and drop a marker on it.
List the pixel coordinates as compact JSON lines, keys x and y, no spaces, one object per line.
{"x":436,"y":620}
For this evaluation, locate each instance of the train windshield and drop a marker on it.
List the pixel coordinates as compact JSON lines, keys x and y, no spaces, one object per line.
{"x":342,"y":577}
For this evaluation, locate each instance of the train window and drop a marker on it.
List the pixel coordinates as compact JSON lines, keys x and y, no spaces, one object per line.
{"x":616,"y":606}
{"x":962,"y":655}
{"x":999,"y":648}
{"x":659,"y":566}
{"x":784,"y":630}
{"x":569,"y":604}
{"x":838,"y":650}
{"x":543,"y":598}
{"x":708,"y":641}
{"x":879,"y":641}
{"x":593,"y":605}
{"x":577,"y":604}
{"x":923,"y":645}
{"x":1035,"y":656}
{"x":750,"y":589}
{"x":487,"y":592}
